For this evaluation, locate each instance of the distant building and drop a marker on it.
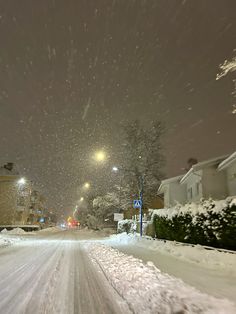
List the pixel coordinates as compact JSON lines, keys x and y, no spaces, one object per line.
{"x":214,"y":178}
{"x":14,"y":196}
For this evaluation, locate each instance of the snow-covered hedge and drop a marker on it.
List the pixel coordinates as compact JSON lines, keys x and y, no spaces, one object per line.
{"x":126,"y":225}
{"x":210,"y":223}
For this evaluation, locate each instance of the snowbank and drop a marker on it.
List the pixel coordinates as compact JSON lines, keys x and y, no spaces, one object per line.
{"x":6,"y":240}
{"x":147,"y":290}
{"x":213,"y":258}
{"x":13,"y":231}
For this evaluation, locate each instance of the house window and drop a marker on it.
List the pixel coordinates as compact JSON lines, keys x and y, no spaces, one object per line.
{"x":190,"y":193}
{"x":198,"y":188}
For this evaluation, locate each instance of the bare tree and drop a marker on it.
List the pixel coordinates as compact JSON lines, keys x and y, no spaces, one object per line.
{"x":142,"y":159}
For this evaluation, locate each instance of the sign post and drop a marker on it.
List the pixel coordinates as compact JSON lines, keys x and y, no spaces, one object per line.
{"x":138,"y":204}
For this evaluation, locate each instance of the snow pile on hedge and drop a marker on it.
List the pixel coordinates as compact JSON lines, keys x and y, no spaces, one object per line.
{"x":209,"y":222}
{"x":147,"y":290}
{"x":194,"y":208}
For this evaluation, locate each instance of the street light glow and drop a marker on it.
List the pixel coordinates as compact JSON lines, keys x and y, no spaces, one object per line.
{"x":21,"y":181}
{"x":100,"y":156}
{"x":115,"y":169}
{"x":87,"y":185}
{"x":81,"y":199}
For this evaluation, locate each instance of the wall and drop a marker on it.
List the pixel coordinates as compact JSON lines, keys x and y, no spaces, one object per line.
{"x":214,"y":183}
{"x":166,"y":196}
{"x":14,"y":204}
{"x":8,"y":200}
{"x":194,"y":186}
{"x":177,"y":193}
{"x":231,"y":179}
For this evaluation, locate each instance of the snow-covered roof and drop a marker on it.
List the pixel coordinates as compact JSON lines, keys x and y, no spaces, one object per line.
{"x":168,"y":181}
{"x":203,"y":164}
{"x":227,"y":162}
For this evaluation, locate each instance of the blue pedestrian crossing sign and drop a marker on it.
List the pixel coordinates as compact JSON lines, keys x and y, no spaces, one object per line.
{"x":137,"y":204}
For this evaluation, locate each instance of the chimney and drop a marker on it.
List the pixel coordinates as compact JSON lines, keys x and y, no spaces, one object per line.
{"x":9,"y":166}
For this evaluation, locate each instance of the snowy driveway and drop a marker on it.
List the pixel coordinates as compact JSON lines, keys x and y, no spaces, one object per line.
{"x":51,"y":273}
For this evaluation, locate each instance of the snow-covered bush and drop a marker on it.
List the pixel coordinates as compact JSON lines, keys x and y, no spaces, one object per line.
{"x":92,"y":222}
{"x":127,"y":225}
{"x":150,"y":230}
{"x":208,"y":223}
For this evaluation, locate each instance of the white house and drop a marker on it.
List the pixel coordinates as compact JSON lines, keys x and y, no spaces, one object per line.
{"x":204,"y":180}
{"x":228,"y":166}
{"x":173,"y":191}
{"x":215,"y":178}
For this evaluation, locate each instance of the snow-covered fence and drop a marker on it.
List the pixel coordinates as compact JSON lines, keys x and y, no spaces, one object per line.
{"x":208,"y":223}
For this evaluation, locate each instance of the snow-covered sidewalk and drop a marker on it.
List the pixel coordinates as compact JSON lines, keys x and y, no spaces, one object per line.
{"x":210,"y":271}
{"x":196,"y":254}
{"x":147,"y":290}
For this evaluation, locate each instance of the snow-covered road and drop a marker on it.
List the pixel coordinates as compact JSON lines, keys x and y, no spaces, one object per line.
{"x":73,"y":272}
{"x":51,"y":273}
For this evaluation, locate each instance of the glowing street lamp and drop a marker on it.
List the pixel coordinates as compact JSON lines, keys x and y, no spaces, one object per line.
{"x":87,"y":185}
{"x":22,"y":181}
{"x":81,"y":199}
{"x":100,"y":156}
{"x":115,"y":169}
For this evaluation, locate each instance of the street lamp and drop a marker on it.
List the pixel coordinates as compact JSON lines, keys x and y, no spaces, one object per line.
{"x":115,"y":169}
{"x":100,"y":156}
{"x":81,"y":199}
{"x":21,"y":181}
{"x":87,"y":185}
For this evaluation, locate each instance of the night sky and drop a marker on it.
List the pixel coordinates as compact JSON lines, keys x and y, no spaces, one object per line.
{"x":71,"y":71}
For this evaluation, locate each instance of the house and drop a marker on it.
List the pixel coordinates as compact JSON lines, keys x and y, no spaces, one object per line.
{"x":214,"y":178}
{"x":204,"y":180}
{"x":228,"y":166}
{"x":173,"y":191}
{"x":14,"y":196}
